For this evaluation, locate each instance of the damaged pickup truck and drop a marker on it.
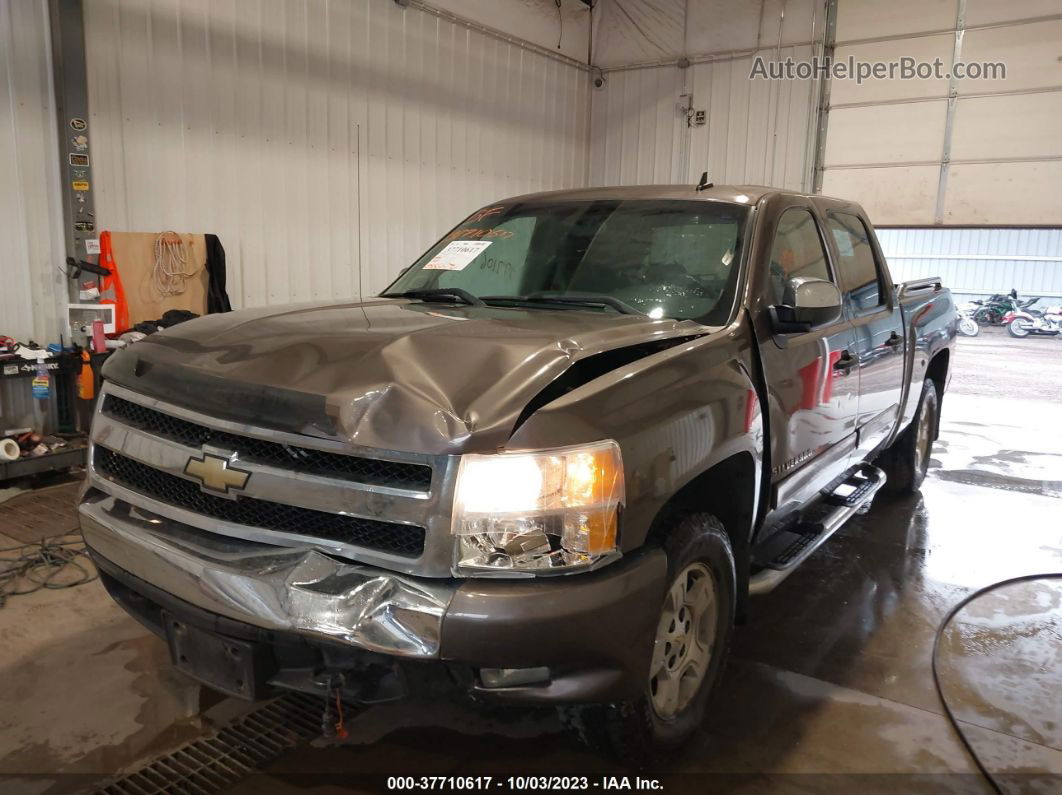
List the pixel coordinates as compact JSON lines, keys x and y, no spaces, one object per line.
{"x":550,"y":465}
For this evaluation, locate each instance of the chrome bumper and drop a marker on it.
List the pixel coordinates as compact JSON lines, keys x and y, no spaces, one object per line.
{"x":293,"y":589}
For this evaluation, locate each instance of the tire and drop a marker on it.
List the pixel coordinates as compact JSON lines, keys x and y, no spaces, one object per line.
{"x":968,"y":327}
{"x":1017,"y":328}
{"x":699,"y":557}
{"x":907,"y":461}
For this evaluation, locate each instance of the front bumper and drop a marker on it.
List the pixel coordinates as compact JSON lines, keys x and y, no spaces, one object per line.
{"x":594,"y":630}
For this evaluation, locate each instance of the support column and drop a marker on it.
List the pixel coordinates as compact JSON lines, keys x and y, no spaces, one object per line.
{"x":75,"y":132}
{"x":822,"y":109}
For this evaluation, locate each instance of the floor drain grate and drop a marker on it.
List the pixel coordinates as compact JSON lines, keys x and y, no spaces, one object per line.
{"x":211,"y":764}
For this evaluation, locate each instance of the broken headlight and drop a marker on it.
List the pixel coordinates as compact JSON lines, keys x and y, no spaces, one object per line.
{"x":538,"y":512}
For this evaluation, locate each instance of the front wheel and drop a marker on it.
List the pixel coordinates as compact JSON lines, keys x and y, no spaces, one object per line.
{"x":1018,"y":328}
{"x":692,"y":642}
{"x":968,"y":326}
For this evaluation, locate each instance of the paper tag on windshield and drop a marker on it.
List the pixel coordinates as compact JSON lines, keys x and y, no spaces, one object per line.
{"x":456,"y":255}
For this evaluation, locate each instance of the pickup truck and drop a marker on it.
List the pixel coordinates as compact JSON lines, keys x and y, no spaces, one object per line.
{"x":551,"y":464}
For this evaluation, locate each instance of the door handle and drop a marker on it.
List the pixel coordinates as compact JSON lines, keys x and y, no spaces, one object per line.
{"x":894,"y":340}
{"x":845,"y":363}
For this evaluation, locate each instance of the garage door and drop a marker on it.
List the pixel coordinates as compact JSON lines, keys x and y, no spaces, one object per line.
{"x":943,"y":150}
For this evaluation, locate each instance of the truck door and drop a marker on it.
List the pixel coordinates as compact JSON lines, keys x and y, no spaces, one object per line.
{"x":878,"y":325}
{"x":811,"y":377}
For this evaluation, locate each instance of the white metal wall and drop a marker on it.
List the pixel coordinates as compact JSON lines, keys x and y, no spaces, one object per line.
{"x":630,"y":32}
{"x":979,"y":262}
{"x":32,"y":291}
{"x":994,"y":159}
{"x":562,"y":27}
{"x":638,"y":132}
{"x":757,"y":131}
{"x":314,"y":136}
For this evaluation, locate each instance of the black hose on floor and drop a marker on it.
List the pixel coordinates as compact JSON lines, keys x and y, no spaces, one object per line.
{"x":48,"y":563}
{"x":955,"y":610}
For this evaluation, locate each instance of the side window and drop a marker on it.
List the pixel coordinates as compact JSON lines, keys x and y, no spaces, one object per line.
{"x":856,"y":267}
{"x":797,"y":251}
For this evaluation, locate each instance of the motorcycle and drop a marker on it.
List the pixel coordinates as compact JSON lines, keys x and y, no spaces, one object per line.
{"x":968,"y":326}
{"x":995,"y":308}
{"x":1022,"y":322}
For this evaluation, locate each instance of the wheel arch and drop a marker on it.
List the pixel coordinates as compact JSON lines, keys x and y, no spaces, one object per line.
{"x":728,"y":491}
{"x":937,"y":371}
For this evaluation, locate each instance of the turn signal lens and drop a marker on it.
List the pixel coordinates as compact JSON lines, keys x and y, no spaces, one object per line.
{"x":538,"y":512}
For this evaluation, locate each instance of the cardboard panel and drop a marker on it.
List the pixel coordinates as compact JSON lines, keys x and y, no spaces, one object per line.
{"x":892,"y":196}
{"x":886,"y":133}
{"x":134,"y":254}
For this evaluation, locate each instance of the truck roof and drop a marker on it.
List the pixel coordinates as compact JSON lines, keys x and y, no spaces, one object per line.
{"x":741,"y":194}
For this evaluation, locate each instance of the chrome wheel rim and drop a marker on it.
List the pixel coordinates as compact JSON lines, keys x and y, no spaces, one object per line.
{"x":922,"y":440}
{"x":685,"y":640}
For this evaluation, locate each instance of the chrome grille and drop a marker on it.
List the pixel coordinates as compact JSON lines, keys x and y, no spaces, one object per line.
{"x":386,"y":508}
{"x":377,"y":472}
{"x":397,"y":539}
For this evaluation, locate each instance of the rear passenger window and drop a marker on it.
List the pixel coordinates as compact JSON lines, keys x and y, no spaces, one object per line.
{"x":797,"y":251}
{"x":856,"y":267}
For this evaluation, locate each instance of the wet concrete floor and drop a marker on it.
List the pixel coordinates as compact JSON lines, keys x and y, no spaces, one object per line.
{"x":829,"y":686}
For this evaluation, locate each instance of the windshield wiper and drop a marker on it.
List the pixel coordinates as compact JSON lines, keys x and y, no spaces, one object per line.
{"x":438,"y":293}
{"x":585,"y":299}
{"x":567,"y":299}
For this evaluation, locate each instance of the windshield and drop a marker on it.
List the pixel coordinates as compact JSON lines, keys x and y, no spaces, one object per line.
{"x":664,"y":258}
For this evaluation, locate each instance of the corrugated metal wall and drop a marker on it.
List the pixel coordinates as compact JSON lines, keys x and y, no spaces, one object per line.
{"x":756,"y":131}
{"x":638,"y":132}
{"x":979,"y":262}
{"x":33,"y":293}
{"x":628,"y":32}
{"x":314,"y":136}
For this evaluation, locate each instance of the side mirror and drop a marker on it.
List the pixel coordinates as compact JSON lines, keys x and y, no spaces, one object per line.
{"x":807,"y":303}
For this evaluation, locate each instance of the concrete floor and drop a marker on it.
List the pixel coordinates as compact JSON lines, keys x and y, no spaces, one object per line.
{"x":829,"y":687}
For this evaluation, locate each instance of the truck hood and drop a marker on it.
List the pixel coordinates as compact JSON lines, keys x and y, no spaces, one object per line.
{"x":389,"y":374}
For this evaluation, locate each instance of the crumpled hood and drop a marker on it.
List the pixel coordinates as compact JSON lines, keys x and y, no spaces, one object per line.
{"x":388,"y":374}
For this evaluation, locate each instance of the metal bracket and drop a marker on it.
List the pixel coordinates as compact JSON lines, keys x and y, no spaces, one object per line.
{"x":949,"y":121}
{"x":822,"y":110}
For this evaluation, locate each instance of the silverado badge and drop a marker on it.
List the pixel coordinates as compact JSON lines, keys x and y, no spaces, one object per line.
{"x":214,"y":474}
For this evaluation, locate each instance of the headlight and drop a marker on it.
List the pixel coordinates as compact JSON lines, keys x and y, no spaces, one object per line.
{"x":541,"y":512}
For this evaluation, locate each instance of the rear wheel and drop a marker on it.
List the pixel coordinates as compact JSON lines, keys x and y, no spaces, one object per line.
{"x":1018,"y":328}
{"x":689,"y":652}
{"x":907,"y":461}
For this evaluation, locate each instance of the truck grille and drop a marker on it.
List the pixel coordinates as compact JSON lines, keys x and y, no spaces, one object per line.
{"x":398,"y":539}
{"x":371,"y":471}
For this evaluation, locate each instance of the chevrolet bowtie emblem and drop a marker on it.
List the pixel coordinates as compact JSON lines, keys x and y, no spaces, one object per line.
{"x":214,"y":473}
